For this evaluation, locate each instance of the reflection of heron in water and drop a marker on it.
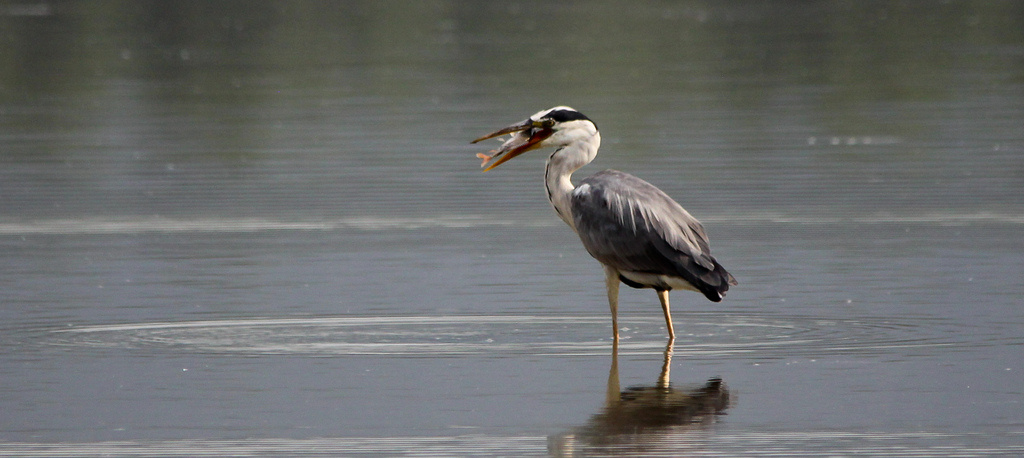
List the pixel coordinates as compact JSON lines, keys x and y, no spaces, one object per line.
{"x":642,"y":417}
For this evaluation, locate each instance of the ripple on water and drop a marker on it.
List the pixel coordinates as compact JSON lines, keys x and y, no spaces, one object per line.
{"x":773,"y":443}
{"x":704,"y":334}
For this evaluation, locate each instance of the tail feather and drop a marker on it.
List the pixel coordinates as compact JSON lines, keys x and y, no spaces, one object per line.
{"x":715,"y":282}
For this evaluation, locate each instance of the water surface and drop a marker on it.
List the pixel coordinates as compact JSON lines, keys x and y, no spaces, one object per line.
{"x":259,"y":229}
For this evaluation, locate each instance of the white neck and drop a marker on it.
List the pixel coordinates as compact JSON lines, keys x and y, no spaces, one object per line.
{"x":562,"y":163}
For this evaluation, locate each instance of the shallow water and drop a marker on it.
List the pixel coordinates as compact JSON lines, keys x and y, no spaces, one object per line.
{"x":212,"y":244}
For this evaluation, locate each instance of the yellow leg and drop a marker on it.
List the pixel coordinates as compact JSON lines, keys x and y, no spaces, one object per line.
{"x":611,"y":280}
{"x":663,"y":297}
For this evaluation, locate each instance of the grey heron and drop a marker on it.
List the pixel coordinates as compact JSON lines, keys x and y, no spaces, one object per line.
{"x":639,"y":234}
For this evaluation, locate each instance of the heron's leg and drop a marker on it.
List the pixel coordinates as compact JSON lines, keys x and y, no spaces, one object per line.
{"x":663,"y":297}
{"x":611,"y":280}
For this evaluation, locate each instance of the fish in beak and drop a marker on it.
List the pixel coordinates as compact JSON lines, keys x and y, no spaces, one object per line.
{"x":526,"y":135}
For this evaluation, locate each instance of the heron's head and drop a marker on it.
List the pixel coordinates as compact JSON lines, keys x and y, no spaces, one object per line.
{"x":554,"y":127}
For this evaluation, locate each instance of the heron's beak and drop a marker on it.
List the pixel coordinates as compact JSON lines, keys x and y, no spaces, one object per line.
{"x":527,"y":135}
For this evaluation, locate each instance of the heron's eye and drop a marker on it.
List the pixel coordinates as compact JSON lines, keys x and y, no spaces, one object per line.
{"x":548,"y":123}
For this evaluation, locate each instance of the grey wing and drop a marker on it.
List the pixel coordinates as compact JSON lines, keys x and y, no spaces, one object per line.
{"x":633,"y":226}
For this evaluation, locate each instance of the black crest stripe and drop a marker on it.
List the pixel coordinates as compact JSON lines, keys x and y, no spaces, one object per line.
{"x":567,"y":115}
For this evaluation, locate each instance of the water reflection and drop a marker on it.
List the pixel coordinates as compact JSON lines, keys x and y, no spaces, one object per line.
{"x":644,"y":417}
{"x":279,"y":198}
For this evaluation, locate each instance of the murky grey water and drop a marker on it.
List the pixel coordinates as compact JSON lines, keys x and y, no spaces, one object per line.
{"x":258,"y":229}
